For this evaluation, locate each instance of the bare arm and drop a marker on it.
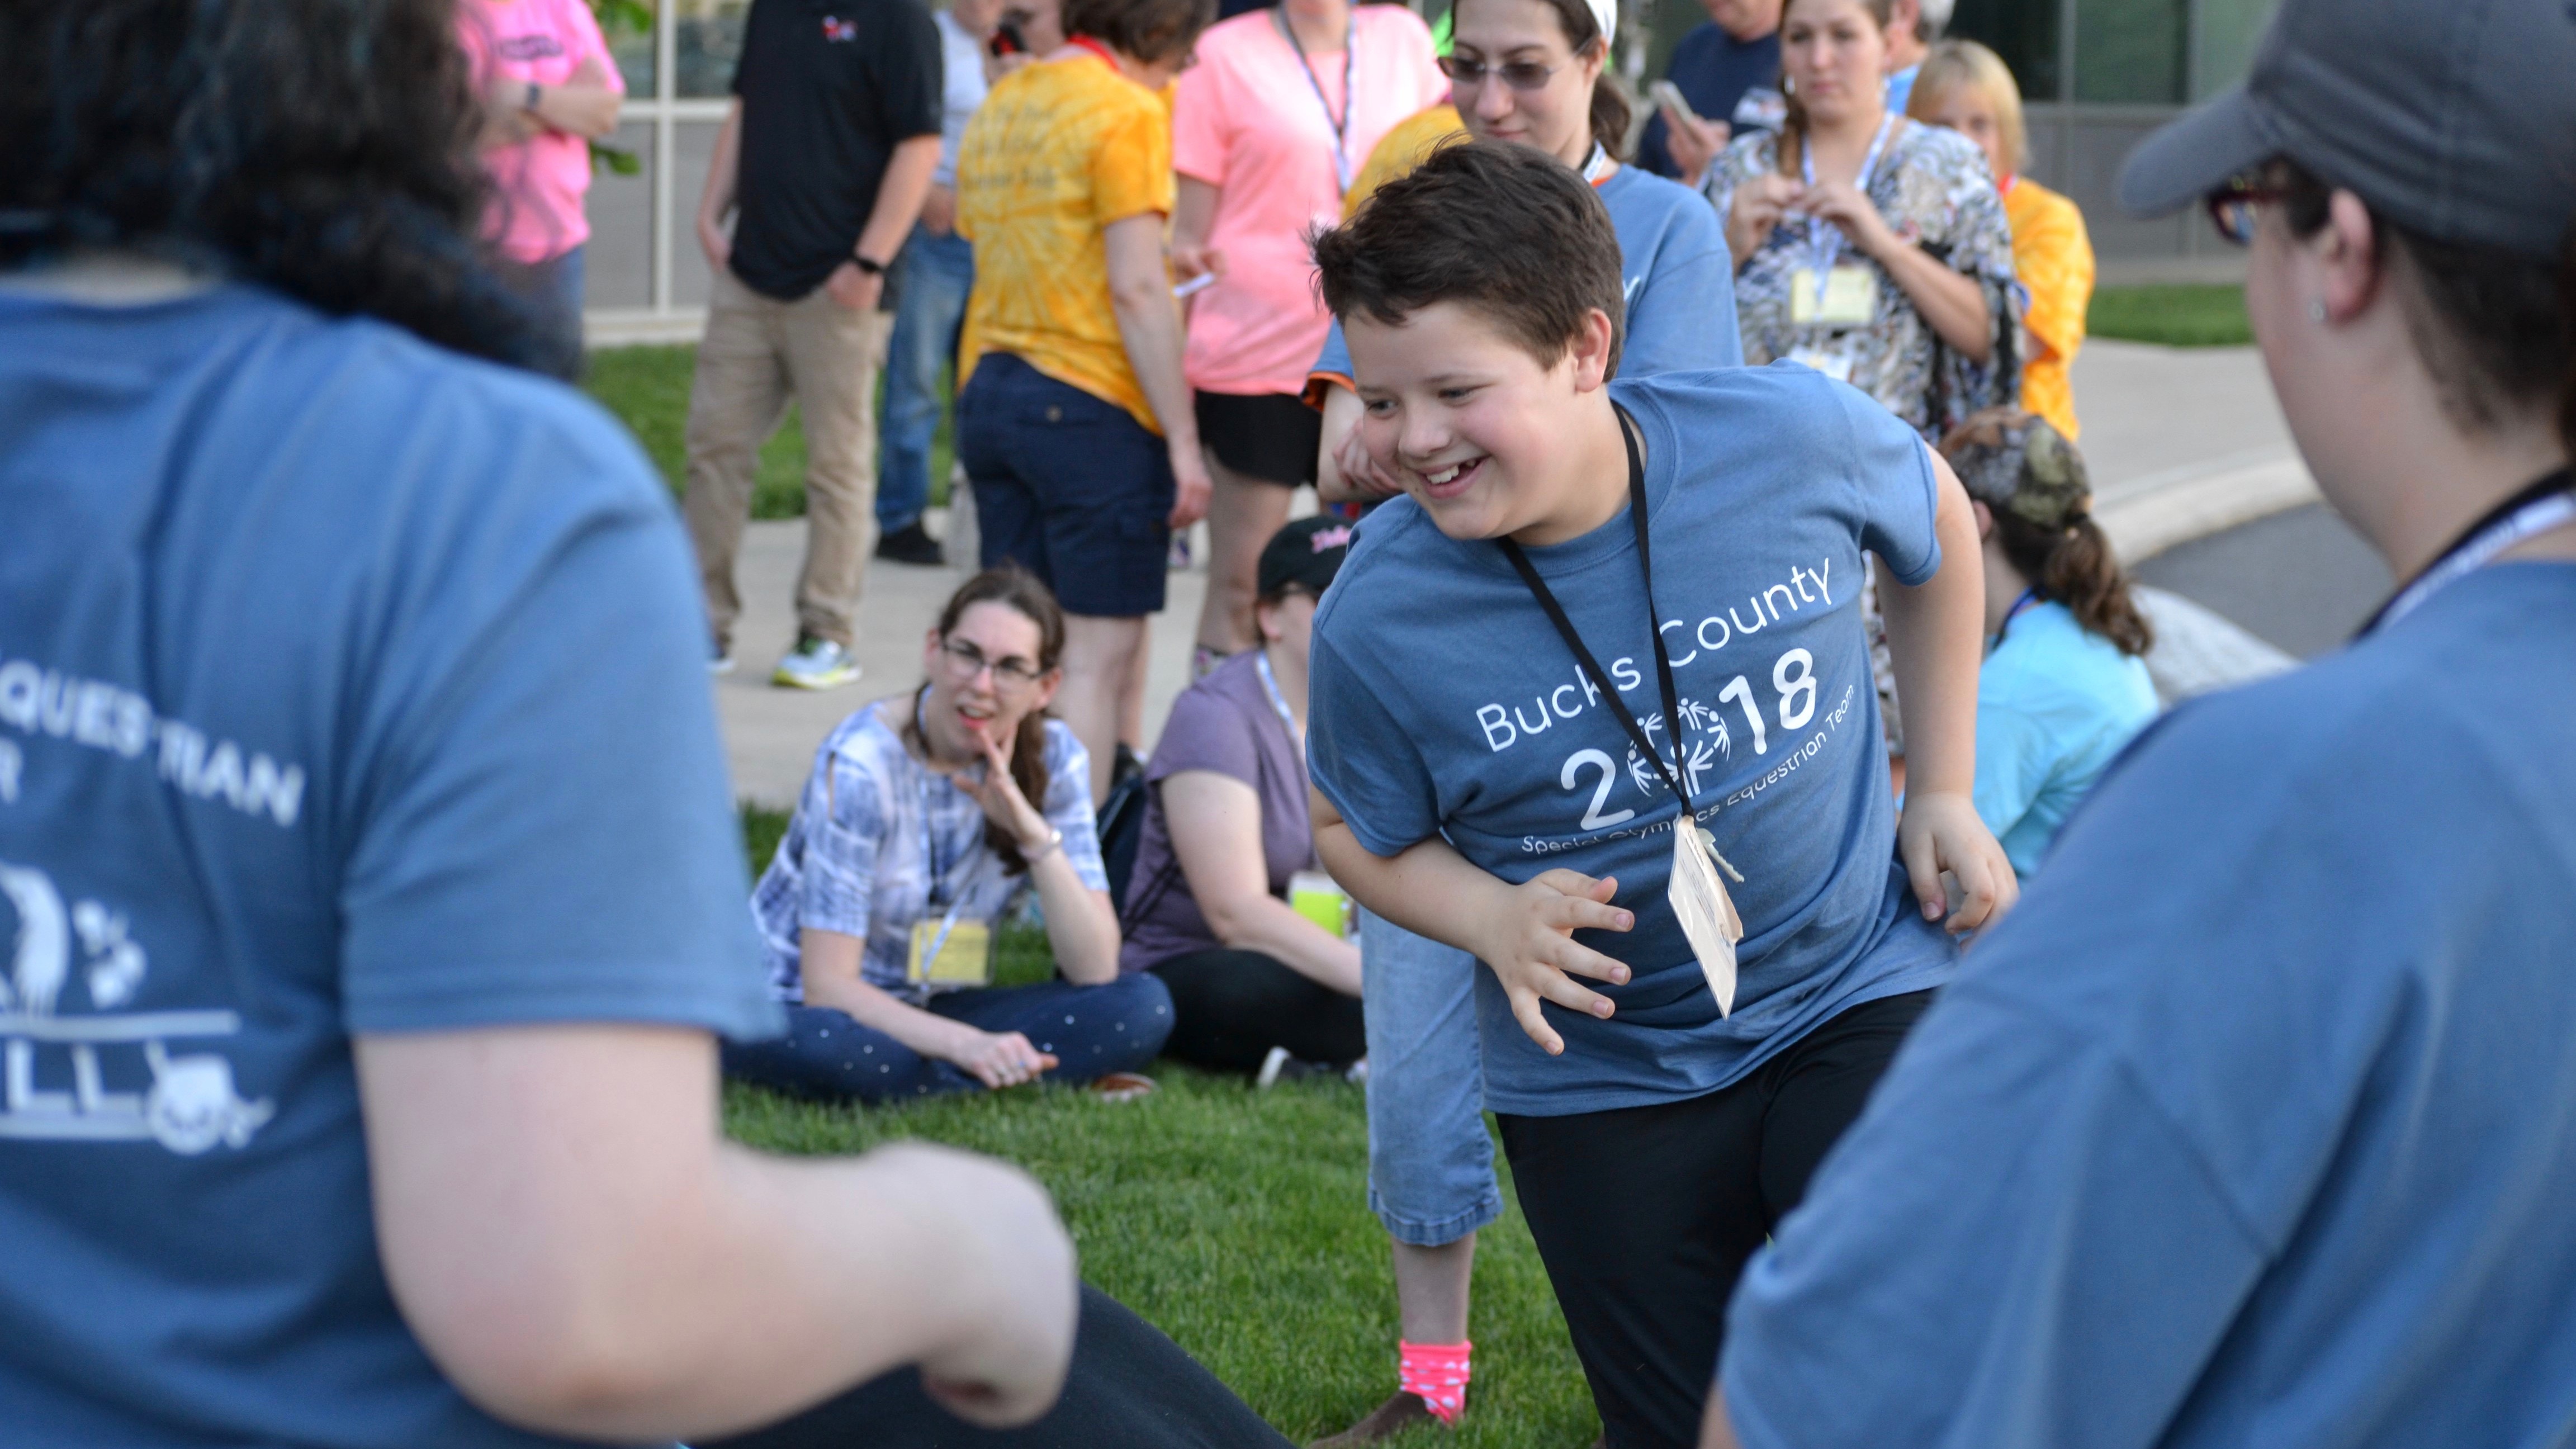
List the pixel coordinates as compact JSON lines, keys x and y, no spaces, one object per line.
{"x":1523,"y":933}
{"x":715,"y":202}
{"x":899,"y":197}
{"x":1935,"y":639}
{"x":1215,"y":822}
{"x":1715,"y":1431}
{"x":1193,"y":217}
{"x":1140,"y":291}
{"x":581,"y":1252}
{"x":1082,"y":925}
{"x":1344,"y":471}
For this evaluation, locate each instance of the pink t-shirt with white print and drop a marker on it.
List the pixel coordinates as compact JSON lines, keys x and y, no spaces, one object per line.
{"x":540,"y":182}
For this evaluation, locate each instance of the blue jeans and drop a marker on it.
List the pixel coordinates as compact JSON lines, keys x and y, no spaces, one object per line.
{"x":932,"y":275}
{"x":1431,"y":1166}
{"x":1091,"y":1031}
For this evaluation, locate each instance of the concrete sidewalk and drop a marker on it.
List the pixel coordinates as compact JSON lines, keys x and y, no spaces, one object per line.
{"x":2181,"y":443}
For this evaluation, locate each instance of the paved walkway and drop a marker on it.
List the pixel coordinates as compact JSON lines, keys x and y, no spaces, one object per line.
{"x":2181,"y":444}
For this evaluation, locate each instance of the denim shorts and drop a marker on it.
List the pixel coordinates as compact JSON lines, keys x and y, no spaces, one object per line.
{"x":1431,"y":1165}
{"x":1068,"y":485}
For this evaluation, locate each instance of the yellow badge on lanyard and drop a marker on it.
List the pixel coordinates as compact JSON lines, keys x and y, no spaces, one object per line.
{"x":1848,"y":297}
{"x":951,"y":953}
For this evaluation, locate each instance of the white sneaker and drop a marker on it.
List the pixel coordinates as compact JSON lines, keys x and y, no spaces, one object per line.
{"x":719,"y":659}
{"x":816,"y":664}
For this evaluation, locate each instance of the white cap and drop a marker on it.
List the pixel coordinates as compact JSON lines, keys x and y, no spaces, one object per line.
{"x":1936,"y":15}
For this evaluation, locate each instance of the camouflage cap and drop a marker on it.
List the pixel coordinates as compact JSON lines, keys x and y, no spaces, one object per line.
{"x":2019,"y":464}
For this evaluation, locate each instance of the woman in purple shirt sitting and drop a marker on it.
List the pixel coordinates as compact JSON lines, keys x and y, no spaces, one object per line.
{"x":1256,"y":985}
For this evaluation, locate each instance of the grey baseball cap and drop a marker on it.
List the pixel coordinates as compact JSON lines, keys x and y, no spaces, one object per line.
{"x":2453,"y":118}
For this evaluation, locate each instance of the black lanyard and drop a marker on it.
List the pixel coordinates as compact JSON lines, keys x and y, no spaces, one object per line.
{"x":1591,"y":666}
{"x":2474,"y":539}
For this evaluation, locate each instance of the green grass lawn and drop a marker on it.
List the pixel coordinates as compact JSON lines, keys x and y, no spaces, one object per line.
{"x":648,"y":388}
{"x":2175,"y":316}
{"x":1237,"y":1223}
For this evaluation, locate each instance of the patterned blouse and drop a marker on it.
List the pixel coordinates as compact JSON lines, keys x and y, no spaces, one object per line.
{"x":1931,"y":185}
{"x":879,"y":842}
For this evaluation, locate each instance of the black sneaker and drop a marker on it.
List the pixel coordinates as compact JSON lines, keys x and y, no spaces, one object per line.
{"x":911,"y":544}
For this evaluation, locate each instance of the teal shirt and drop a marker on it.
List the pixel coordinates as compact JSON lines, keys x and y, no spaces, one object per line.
{"x":2054,"y":705}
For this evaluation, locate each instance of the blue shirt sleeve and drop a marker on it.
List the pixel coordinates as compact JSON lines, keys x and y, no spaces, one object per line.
{"x":1891,"y":473}
{"x":836,"y":877}
{"x":1682,"y":318}
{"x":1363,"y":762}
{"x":1335,"y":360}
{"x":540,"y":826}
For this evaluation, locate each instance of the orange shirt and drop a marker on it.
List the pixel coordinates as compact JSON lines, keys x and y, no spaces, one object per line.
{"x":1407,"y":145}
{"x":1059,"y":150}
{"x":2053,"y":257}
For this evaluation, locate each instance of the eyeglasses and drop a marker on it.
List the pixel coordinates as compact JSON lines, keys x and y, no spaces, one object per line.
{"x":2235,"y":207}
{"x":1520,"y":75}
{"x":1010,"y":674}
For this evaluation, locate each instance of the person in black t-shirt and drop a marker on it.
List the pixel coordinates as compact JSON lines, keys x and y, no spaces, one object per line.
{"x":824,"y":160}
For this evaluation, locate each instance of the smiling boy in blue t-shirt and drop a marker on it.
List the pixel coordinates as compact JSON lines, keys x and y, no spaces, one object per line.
{"x":1483,"y":784}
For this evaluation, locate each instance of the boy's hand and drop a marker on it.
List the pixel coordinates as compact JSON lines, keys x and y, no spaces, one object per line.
{"x":1940,"y":831}
{"x":1530,"y":947}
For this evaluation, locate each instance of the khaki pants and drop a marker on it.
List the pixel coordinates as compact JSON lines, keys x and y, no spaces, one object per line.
{"x":759,"y":352}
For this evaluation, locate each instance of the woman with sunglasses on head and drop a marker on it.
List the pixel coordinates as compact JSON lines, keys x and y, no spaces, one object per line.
{"x":927,"y":817}
{"x":1867,"y":246}
{"x":2252,"y":1125}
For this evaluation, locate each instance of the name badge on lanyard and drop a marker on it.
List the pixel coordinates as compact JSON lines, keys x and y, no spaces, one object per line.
{"x":1697,"y":895}
{"x":1830,"y":292}
{"x":948,"y":952}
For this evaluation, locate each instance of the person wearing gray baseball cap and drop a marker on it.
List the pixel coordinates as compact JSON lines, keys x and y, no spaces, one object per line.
{"x":2256,"y":1124}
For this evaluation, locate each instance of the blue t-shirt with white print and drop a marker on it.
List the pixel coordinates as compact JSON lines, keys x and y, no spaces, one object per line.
{"x":2255,"y":1124}
{"x":1445,"y":703}
{"x":346,"y":686}
{"x":1674,"y":272}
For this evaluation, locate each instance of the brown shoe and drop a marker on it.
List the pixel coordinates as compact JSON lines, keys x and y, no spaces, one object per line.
{"x":1121,"y":1087}
{"x":1400,"y":1412}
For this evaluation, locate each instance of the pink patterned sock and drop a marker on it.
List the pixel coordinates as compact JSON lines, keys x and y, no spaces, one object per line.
{"x":1437,"y":1374}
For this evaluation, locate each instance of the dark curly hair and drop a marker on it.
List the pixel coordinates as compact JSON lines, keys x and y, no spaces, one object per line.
{"x":322,"y":148}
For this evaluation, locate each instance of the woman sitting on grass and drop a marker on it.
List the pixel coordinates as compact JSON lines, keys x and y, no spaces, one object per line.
{"x":2064,"y":687}
{"x":914,"y":836}
{"x":1256,"y":986}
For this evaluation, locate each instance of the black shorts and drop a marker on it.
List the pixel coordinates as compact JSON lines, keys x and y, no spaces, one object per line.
{"x":1645,"y":1216}
{"x":1271,"y":437}
{"x":1067,"y":485}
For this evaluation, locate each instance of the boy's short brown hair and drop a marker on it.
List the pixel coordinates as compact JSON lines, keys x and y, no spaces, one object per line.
{"x":1509,"y":231}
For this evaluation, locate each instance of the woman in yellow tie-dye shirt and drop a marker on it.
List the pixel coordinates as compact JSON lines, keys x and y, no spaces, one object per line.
{"x":1074,"y":423}
{"x":1969,"y":89}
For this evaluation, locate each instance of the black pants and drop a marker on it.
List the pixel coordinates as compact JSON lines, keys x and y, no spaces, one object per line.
{"x":1229,"y":1008}
{"x":1131,"y":1388}
{"x":1645,"y":1215}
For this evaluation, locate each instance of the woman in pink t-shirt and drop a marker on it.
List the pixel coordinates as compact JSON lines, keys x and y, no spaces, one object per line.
{"x":1283,"y":107}
{"x":550,"y":88}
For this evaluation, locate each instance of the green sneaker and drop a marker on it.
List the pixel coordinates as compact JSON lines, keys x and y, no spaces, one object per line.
{"x":816,"y":664}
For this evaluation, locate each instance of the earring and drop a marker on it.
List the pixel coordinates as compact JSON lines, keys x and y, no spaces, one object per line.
{"x":2317,"y":312}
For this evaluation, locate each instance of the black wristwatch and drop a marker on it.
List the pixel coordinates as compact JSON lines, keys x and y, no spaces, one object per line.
{"x":867,"y":264}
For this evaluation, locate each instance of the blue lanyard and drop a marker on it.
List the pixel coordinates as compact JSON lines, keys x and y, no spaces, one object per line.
{"x":1278,"y":701}
{"x":2537,"y":509}
{"x":2028,"y":597}
{"x":1341,"y":126}
{"x":1824,"y":239}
